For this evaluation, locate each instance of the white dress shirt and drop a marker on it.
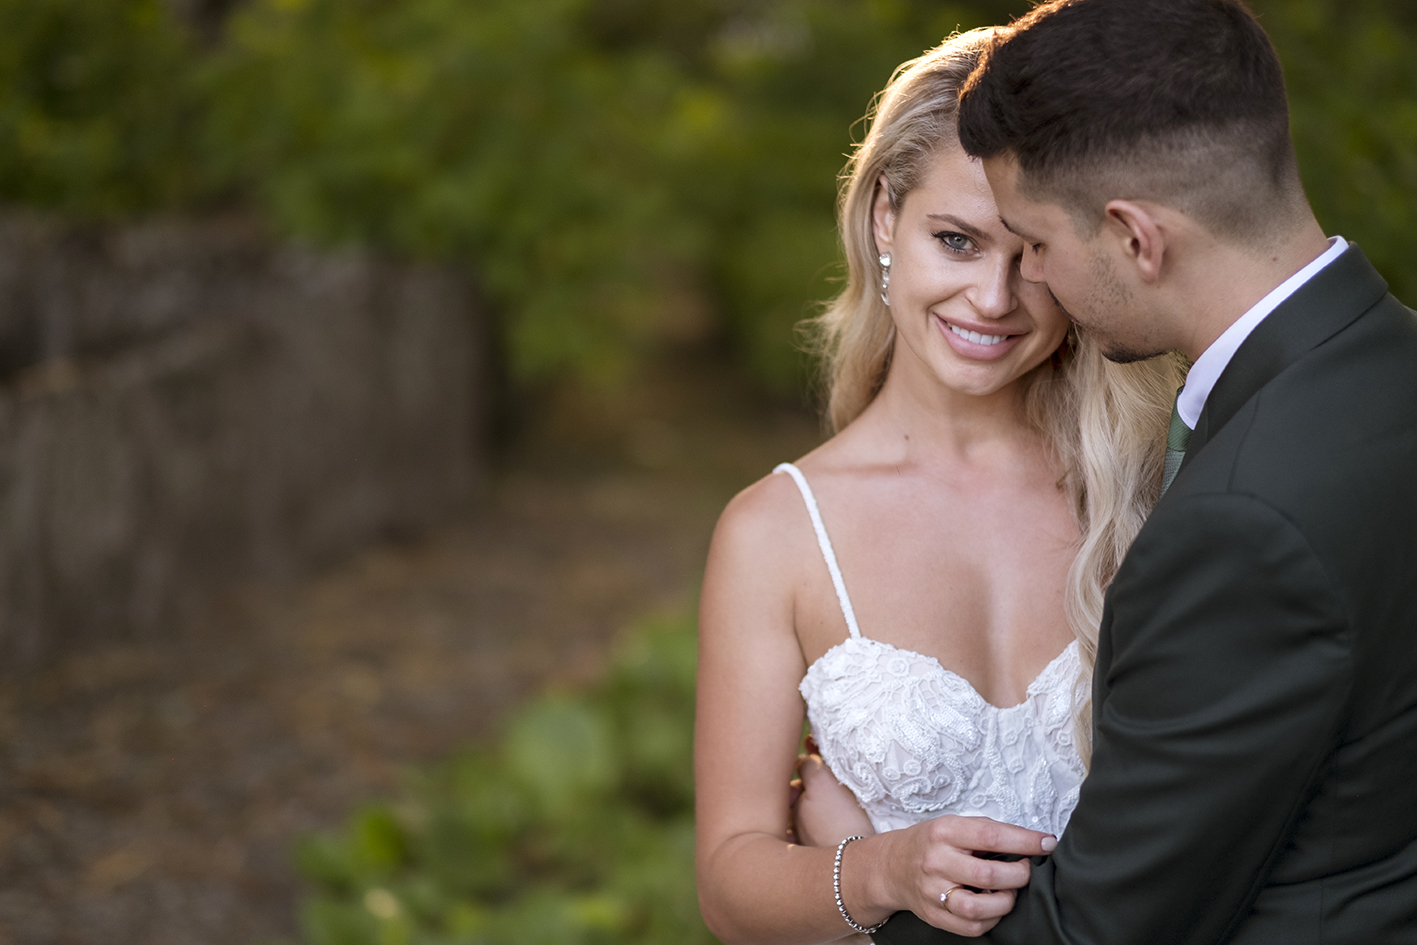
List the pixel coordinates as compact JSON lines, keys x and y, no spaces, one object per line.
{"x":1213,"y":361}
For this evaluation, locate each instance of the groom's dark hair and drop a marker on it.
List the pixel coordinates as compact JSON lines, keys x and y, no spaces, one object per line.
{"x":1177,"y":101}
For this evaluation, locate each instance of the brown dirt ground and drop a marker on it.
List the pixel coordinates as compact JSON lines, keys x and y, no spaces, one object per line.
{"x":152,"y":794}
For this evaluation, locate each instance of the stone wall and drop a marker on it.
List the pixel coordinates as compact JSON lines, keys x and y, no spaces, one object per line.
{"x":187,"y":406}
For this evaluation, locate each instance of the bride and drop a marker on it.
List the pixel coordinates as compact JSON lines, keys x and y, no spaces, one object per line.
{"x":927,"y":584}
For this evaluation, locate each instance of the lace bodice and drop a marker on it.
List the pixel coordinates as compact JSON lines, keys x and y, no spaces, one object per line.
{"x":914,"y":740}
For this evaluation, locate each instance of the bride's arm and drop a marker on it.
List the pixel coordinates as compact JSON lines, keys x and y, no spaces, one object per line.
{"x":755,"y":886}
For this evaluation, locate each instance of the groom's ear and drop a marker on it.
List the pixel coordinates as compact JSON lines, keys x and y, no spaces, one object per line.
{"x":1140,"y":235}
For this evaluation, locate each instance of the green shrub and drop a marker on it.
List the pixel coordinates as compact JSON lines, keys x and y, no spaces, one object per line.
{"x":97,"y":108}
{"x":492,"y":132}
{"x":576,"y":827}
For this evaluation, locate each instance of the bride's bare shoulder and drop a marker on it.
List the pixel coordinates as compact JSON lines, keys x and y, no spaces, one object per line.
{"x":763,"y":556}
{"x":767,"y":525}
{"x":775,"y":502}
{"x":762,"y":517}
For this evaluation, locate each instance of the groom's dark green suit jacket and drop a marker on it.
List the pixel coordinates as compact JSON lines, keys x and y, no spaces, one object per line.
{"x":1254,"y":776}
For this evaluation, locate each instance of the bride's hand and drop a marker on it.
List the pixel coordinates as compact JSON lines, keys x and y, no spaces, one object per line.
{"x":824,"y":811}
{"x":942,"y":855}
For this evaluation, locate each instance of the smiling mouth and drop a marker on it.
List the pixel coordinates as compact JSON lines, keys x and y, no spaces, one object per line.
{"x":976,"y":337}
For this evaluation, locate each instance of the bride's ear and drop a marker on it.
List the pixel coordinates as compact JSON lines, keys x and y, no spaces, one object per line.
{"x":883,"y":216}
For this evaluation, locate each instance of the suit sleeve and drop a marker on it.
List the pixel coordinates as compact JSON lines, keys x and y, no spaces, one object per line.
{"x":1221,"y":703}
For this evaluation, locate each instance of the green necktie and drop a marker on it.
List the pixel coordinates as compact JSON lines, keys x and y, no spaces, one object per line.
{"x":1177,"y":436}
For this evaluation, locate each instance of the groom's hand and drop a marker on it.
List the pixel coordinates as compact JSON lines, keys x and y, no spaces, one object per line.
{"x":824,"y":811}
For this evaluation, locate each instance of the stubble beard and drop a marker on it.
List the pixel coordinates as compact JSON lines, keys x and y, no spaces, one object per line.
{"x":1111,"y":295}
{"x":1119,"y":354}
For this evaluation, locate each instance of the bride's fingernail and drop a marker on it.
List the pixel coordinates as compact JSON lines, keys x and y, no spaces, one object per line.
{"x":1049,"y":844}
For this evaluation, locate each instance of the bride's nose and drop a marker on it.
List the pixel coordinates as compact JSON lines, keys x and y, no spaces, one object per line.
{"x":993,"y":294}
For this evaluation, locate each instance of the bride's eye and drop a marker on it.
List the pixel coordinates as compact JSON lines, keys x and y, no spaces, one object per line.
{"x":956,"y":243}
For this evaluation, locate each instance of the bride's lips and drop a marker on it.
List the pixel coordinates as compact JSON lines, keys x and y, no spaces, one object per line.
{"x":986,"y":349}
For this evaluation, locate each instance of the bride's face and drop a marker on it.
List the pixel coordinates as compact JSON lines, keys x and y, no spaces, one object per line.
{"x":961,"y":309}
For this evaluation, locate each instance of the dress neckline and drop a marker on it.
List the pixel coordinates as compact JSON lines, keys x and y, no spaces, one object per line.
{"x":1040,"y":682}
{"x":849,"y":612}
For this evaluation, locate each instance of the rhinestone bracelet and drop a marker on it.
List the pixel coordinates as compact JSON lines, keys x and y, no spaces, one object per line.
{"x":836,"y":888}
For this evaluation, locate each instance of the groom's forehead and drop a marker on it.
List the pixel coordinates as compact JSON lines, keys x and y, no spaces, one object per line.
{"x":1003,"y":175}
{"x":1018,"y":213}
{"x":1025,"y":210}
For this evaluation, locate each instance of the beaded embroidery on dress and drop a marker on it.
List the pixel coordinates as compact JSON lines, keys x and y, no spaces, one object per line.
{"x":914,"y":740}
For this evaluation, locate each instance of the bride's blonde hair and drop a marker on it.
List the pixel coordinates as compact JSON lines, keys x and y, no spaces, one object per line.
{"x":1106,"y":422}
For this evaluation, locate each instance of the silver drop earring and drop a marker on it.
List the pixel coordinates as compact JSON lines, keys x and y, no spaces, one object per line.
{"x":885,"y":261}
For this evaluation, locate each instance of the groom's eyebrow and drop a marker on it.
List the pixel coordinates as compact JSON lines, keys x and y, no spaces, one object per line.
{"x":958,"y":224}
{"x":1019,"y":233}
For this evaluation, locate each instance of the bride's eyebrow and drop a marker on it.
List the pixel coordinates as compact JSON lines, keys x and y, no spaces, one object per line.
{"x":967,"y":229}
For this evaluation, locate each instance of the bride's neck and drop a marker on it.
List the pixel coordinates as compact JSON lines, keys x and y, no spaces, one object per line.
{"x":934,"y":423}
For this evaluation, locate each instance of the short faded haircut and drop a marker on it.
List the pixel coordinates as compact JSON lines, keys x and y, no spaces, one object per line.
{"x":1177,"y":101}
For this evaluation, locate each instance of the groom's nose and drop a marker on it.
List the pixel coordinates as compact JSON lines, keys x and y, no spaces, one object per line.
{"x":1030,"y":265}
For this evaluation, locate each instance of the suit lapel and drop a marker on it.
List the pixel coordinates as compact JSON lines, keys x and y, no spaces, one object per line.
{"x":1325,"y":305}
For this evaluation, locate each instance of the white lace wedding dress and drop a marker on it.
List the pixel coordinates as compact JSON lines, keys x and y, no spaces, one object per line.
{"x":914,"y":740}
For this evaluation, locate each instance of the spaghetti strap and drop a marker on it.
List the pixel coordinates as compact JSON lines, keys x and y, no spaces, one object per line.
{"x":825,"y":544}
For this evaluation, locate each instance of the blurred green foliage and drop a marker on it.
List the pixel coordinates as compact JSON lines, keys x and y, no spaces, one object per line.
{"x":606,"y":165}
{"x":1351,"y":66}
{"x":619,"y":173}
{"x":97,"y":107}
{"x":577,"y":827}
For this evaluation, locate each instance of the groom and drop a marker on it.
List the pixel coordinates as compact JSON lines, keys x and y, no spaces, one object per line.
{"x":1254,"y":775}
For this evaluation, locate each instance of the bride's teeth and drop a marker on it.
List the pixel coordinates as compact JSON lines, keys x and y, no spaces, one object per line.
{"x":976,"y":337}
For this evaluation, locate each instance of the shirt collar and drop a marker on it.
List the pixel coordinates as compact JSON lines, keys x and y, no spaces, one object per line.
{"x":1213,"y":361}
